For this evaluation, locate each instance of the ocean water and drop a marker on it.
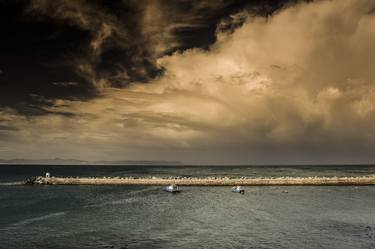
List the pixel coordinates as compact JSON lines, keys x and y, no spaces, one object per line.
{"x":198,"y":217}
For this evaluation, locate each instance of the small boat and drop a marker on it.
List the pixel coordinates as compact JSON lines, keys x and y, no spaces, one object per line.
{"x":172,"y":189}
{"x":238,"y":189}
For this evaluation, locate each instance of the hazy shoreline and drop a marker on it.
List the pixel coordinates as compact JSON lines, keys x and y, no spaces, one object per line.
{"x":75,"y":162}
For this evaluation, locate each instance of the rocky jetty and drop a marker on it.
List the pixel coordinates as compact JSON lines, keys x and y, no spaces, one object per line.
{"x":206,"y":181}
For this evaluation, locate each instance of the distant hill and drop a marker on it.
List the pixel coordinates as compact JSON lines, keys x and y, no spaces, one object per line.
{"x":60,"y":161}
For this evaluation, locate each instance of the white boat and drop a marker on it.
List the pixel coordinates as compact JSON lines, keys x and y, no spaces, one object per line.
{"x":238,"y":189}
{"x":172,"y":189}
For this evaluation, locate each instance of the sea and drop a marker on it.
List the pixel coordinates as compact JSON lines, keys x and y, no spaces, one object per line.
{"x":120,"y":217}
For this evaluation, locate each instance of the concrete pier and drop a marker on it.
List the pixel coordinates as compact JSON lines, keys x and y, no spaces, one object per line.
{"x":206,"y":181}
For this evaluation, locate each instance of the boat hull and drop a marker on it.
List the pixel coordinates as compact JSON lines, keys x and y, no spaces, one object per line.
{"x":239,"y":191}
{"x":172,"y":190}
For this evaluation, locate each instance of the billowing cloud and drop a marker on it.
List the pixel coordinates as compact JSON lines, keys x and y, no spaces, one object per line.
{"x":297,"y":86}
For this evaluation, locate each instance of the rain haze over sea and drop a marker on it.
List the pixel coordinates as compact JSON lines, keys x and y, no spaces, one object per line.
{"x":198,"y":217}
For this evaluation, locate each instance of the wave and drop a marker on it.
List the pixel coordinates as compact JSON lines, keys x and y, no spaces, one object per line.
{"x":143,"y":190}
{"x":133,"y":197}
{"x":12,"y":183}
{"x":115,"y":202}
{"x":39,"y":218}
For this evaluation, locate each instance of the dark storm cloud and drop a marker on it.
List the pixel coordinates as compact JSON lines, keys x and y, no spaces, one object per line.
{"x":100,"y":43}
{"x":33,"y":55}
{"x":110,"y":38}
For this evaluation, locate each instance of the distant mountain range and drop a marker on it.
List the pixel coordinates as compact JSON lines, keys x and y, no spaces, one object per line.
{"x":60,"y":161}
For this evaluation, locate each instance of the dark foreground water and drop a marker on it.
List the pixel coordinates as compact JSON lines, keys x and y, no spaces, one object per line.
{"x":198,"y":217}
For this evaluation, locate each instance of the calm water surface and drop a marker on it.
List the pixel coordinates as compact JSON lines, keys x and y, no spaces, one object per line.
{"x":198,"y":217}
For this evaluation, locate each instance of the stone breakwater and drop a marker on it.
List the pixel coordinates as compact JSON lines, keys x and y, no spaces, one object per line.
{"x":206,"y":181}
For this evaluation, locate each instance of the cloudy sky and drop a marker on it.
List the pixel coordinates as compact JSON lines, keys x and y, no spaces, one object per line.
{"x":202,"y":82}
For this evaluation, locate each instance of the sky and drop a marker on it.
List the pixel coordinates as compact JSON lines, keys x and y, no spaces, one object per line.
{"x":196,"y":81}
